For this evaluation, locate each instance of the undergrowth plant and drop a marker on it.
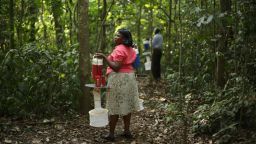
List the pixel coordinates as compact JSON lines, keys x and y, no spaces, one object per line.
{"x":38,"y":80}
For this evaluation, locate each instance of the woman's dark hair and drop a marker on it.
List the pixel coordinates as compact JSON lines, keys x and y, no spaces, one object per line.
{"x":126,"y":34}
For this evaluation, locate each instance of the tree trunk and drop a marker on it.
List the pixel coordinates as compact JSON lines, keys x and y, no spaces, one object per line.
{"x":168,"y":49}
{"x":56,"y":6}
{"x":84,"y":56}
{"x":69,"y":7}
{"x":42,"y":19}
{"x":33,"y":18}
{"x":103,"y":26}
{"x":150,"y":20}
{"x":19,"y":28}
{"x":11,"y":22}
{"x":225,"y":6}
{"x":138,"y":29}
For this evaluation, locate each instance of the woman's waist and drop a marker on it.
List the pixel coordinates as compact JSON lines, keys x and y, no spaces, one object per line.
{"x":113,"y":73}
{"x":127,"y":69}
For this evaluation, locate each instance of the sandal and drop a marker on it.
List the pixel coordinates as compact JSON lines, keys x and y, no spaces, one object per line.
{"x":127,"y":135}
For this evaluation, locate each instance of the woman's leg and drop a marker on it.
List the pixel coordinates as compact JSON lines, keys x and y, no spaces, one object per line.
{"x":127,"y":120}
{"x":112,"y":124}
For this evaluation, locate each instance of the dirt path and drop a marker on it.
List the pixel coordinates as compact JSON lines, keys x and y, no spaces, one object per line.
{"x":148,"y":126}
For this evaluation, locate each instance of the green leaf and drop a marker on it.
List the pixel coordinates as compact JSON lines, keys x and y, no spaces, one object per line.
{"x":147,"y":5}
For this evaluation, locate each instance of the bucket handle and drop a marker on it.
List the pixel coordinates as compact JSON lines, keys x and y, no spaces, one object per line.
{"x":94,"y":56}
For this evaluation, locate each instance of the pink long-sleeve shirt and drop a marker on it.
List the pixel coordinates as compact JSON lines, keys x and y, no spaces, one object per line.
{"x":123,"y":54}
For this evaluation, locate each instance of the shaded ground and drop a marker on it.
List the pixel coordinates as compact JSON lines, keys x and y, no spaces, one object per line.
{"x":148,"y":125}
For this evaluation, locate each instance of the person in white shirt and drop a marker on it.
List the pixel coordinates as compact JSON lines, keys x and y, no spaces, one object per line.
{"x":157,"y":44}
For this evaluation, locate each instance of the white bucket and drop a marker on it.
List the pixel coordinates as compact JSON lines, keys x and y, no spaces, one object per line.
{"x":98,"y":117}
{"x":148,"y":58}
{"x":148,"y":65}
{"x":146,"y":53}
{"x":141,"y":104}
{"x":97,"y":61}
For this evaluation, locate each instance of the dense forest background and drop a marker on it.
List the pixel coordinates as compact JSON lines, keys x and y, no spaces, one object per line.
{"x":209,"y":56}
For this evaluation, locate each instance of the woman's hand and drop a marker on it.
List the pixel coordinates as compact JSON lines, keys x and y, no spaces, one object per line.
{"x":113,"y":64}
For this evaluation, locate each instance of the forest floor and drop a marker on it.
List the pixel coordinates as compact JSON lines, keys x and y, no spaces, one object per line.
{"x":148,"y":126}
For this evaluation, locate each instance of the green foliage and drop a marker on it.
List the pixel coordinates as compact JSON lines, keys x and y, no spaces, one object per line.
{"x":212,"y":111}
{"x":217,"y":112}
{"x":35,"y":80}
{"x":227,"y":112}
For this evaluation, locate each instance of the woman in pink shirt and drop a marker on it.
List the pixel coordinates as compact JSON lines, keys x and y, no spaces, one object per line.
{"x":123,"y":96}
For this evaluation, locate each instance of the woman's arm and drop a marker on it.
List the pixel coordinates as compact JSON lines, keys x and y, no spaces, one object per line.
{"x":115,"y":65}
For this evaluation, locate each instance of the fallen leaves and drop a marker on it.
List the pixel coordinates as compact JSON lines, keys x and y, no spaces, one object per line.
{"x":148,"y":126}
{"x":8,"y":141}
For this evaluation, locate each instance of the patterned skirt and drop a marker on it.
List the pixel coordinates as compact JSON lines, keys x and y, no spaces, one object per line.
{"x":123,"y":96}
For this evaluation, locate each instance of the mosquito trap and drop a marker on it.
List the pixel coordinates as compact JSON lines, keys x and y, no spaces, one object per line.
{"x":98,"y":115}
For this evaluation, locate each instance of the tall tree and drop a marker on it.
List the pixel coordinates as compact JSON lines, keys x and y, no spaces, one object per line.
{"x":139,"y":26}
{"x":20,"y":17}
{"x":103,"y":26}
{"x":84,"y":56}
{"x":11,"y":19}
{"x":69,"y":6}
{"x":168,"y":54}
{"x":225,"y":6}
{"x":150,"y":19}
{"x":33,"y":18}
{"x":42,"y":19}
{"x":57,"y":12}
